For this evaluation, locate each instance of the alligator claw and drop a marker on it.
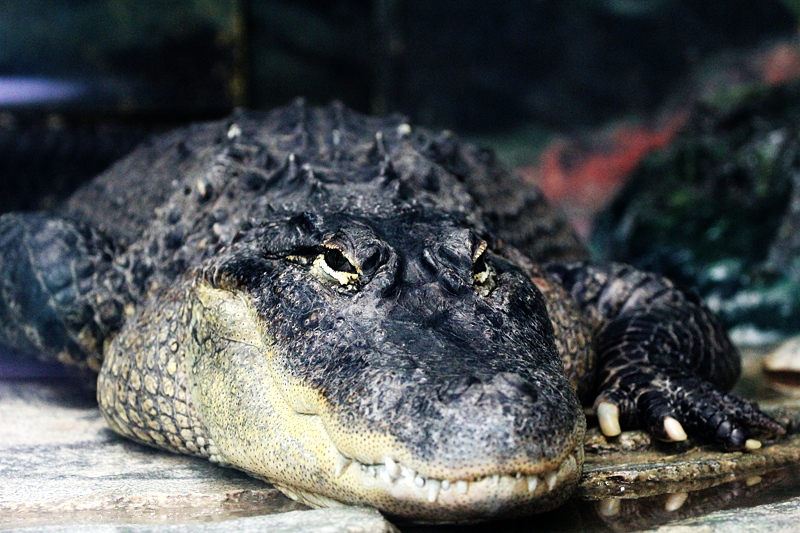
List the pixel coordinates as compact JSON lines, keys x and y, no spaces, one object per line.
{"x":608,"y":416}
{"x":672,"y":408}
{"x":674,"y":429}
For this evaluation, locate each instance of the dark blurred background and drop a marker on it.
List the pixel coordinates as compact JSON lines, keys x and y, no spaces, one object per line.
{"x":82,"y":81}
{"x":472,"y":66}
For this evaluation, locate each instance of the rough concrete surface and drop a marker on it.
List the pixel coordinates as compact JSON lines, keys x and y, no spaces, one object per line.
{"x":345,"y":520}
{"x":774,"y":518}
{"x":62,"y":468}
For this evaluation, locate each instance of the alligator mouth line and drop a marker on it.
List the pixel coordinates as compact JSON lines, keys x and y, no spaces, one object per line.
{"x":418,"y":486}
{"x":401,"y":483}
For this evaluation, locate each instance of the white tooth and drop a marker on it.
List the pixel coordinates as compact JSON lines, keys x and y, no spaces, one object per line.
{"x":608,"y":416}
{"x":673,"y":429}
{"x":568,"y":466}
{"x":550,"y":478}
{"x":675,"y":501}
{"x":518,"y":475}
{"x":392,"y":469}
{"x":374,"y":472}
{"x":342,"y":463}
{"x":496,"y":479}
{"x":533,"y":481}
{"x":407,"y":472}
{"x":433,"y":490}
{"x":419,"y":481}
{"x":445,"y":484}
{"x":462,"y":486}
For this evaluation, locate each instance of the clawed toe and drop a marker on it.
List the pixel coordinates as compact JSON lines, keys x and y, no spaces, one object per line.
{"x":674,"y":429}
{"x":608,"y":417}
{"x":671,"y":413}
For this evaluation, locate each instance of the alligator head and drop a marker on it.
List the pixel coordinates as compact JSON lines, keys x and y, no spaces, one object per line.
{"x":397,"y":362}
{"x":348,"y":328}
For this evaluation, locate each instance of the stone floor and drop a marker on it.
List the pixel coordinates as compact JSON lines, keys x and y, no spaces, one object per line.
{"x":61,"y":469}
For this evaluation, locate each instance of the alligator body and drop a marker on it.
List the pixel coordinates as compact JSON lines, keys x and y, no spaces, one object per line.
{"x":359,"y":312}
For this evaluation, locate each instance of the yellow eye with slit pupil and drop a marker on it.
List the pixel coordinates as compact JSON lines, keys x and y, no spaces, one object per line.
{"x":336,"y":260}
{"x":332,"y":265}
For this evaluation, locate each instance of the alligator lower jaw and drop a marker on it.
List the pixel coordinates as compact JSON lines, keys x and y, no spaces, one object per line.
{"x":399,"y":491}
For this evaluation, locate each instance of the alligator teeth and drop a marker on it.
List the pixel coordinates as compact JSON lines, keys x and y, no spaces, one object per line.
{"x":391,"y":472}
{"x":550,"y":478}
{"x":568,"y":466}
{"x":408,"y":473}
{"x":342,"y":463}
{"x":433,"y":490}
{"x":392,"y":468}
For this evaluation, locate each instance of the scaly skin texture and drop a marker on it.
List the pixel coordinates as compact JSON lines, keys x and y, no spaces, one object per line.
{"x":359,"y":312}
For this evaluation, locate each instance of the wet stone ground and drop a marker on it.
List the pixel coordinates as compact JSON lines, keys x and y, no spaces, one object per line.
{"x":62,"y":469}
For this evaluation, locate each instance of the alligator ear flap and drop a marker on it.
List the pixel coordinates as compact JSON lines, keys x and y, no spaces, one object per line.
{"x":246,"y":261}
{"x":290,"y":235}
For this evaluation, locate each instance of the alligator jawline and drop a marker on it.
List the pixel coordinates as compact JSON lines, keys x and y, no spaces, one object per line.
{"x":448,"y":496}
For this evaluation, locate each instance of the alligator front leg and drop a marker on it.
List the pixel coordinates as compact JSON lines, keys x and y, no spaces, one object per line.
{"x":665,"y":362}
{"x":60,"y":294}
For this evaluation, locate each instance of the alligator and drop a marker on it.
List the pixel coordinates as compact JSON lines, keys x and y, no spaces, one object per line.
{"x":362,"y":312}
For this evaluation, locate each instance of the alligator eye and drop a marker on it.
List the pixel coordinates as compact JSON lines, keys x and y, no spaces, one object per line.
{"x":332,"y":265}
{"x":483,"y":275}
{"x":337,"y":261}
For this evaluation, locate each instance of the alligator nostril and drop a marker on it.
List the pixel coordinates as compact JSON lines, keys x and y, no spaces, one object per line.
{"x":514,"y":386}
{"x":471,"y":390}
{"x":452,"y":390}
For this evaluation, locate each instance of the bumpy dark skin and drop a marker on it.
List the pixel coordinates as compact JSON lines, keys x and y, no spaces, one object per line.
{"x":357,"y":311}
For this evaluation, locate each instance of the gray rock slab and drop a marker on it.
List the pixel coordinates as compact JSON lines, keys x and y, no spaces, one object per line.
{"x":775,"y":518}
{"x":344,"y":520}
{"x":62,"y":468}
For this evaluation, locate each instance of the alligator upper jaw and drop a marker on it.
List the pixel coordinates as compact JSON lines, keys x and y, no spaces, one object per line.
{"x":402,"y":492}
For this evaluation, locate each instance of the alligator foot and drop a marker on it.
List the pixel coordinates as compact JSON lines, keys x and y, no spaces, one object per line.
{"x":665,"y":405}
